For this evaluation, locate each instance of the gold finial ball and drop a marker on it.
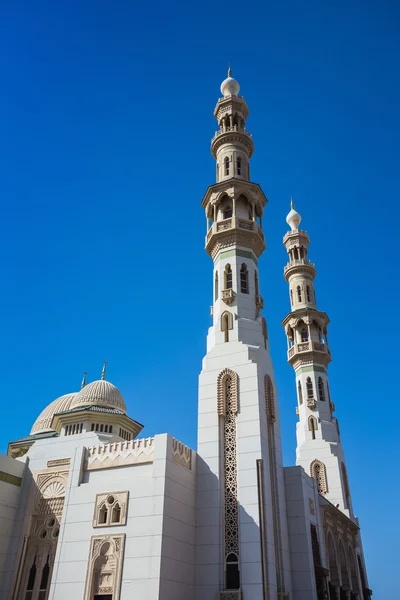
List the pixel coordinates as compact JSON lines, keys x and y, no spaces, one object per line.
{"x":230,"y":87}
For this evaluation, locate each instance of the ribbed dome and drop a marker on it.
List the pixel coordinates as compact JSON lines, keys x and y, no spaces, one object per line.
{"x":99,"y":393}
{"x":43,"y":422}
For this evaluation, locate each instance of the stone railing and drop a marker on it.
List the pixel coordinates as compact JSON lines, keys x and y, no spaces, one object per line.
{"x":120,"y":453}
{"x":311,"y":403}
{"x":227,"y":295}
{"x":232,"y":129}
{"x":298,"y":263}
{"x":223,"y":225}
{"x":234,"y":223}
{"x":308,"y":347}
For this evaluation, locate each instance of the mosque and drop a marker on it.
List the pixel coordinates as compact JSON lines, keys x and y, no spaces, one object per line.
{"x":91,"y":510}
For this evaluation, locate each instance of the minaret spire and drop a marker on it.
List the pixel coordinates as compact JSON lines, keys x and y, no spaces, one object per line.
{"x":319,"y":450}
{"x":103,"y":373}
{"x":83,"y":380}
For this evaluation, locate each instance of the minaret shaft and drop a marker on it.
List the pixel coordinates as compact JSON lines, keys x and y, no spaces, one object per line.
{"x":319,"y":450}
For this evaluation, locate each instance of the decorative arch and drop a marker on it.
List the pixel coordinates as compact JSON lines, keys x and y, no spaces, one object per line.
{"x":312,"y":426}
{"x":105,"y":566}
{"x":228,"y":277}
{"x":227,"y":376}
{"x":309,"y":388}
{"x":318,"y":471}
{"x":226,"y":323}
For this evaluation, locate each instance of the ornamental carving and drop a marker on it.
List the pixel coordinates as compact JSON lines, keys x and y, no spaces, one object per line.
{"x":105,"y":566}
{"x":221,"y":392}
{"x":181,"y":454}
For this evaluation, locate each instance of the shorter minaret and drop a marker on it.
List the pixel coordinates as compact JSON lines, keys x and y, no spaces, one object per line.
{"x":319,"y":449}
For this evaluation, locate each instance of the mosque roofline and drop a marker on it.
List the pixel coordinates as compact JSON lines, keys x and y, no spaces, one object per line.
{"x":101,"y":409}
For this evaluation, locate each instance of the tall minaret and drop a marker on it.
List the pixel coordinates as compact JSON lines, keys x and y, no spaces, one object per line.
{"x":319,"y":449}
{"x":242,"y":544}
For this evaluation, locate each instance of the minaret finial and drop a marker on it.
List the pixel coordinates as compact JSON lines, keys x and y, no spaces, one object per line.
{"x":103,"y":373}
{"x":83,"y":380}
{"x":291,"y":203}
{"x":229,"y":70}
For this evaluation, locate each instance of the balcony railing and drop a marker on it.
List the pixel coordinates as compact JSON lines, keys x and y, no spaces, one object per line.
{"x":308,"y":347}
{"x":230,"y":130}
{"x":234,"y":223}
{"x":298,"y":263}
{"x":227,"y":295}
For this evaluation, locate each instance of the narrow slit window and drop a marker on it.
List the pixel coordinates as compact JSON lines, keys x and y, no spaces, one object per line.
{"x":300,"y":393}
{"x":299,"y":293}
{"x":239,"y":165}
{"x":228,"y":277}
{"x":309,"y":385}
{"x":228,"y":212}
{"x":308,"y":292}
{"x":216,"y":286}
{"x":304,"y":335}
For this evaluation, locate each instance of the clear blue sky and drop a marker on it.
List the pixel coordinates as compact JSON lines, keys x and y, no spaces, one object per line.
{"x":107,"y":116}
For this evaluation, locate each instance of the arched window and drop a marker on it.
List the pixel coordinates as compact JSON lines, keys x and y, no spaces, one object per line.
{"x":296,"y":254}
{"x":116,"y":514}
{"x":226,"y":324}
{"x":101,"y":427}
{"x":226,"y":162}
{"x":238,"y":166}
{"x":110,"y":429}
{"x":216,"y":286}
{"x":300,"y":393}
{"x":31,"y":580}
{"x":244,"y":279}
{"x":228,"y":277}
{"x":291,"y":296}
{"x":103,"y":512}
{"x":97,"y":426}
{"x":309,"y":386}
{"x":105,"y":428}
{"x":308,"y":292}
{"x":228,"y":212}
{"x":92,"y":427}
{"x":312,"y":426}
{"x":343,"y":567}
{"x":44,"y":581}
{"x":299,"y":293}
{"x":304,"y":335}
{"x":232,"y":577}
{"x":321,"y":391}
{"x":318,"y":471}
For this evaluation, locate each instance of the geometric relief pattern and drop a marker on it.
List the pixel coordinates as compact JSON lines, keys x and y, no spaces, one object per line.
{"x":105,"y":566}
{"x":119,"y":454}
{"x":221,"y":392}
{"x":318,"y":471}
{"x":269,"y":399}
{"x":110,"y":509}
{"x":230,"y":467}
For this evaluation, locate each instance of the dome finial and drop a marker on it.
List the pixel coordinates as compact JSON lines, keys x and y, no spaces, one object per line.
{"x":293,"y":219}
{"x":229,"y":70}
{"x":83,"y":380}
{"x":103,"y":373}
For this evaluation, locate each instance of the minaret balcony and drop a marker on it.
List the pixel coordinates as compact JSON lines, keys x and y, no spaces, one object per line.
{"x":227,"y":296}
{"x":310,"y":351}
{"x":234,"y":135}
{"x":235,"y":231}
{"x":302,"y":265}
{"x":311,"y":403}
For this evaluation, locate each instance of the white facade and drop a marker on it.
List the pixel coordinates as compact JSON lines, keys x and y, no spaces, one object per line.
{"x":88,"y":510}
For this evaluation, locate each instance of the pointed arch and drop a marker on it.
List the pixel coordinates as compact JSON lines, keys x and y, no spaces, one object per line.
{"x":223,"y":377}
{"x":228,"y":277}
{"x":333,"y":563}
{"x":226,"y":163}
{"x":318,"y":471}
{"x":312,"y":426}
{"x":299,"y":293}
{"x":226,"y":323}
{"x":269,"y":399}
{"x":344,"y":572}
{"x":105,"y":566}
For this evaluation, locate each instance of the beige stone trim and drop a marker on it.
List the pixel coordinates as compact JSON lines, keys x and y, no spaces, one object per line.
{"x":181,"y":454}
{"x":221,"y":399}
{"x":106,"y":504}
{"x":59,"y":462}
{"x":120,"y":454}
{"x":318,"y":472}
{"x":104,"y":571}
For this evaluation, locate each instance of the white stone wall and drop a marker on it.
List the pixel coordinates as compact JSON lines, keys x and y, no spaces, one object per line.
{"x":11,"y":478}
